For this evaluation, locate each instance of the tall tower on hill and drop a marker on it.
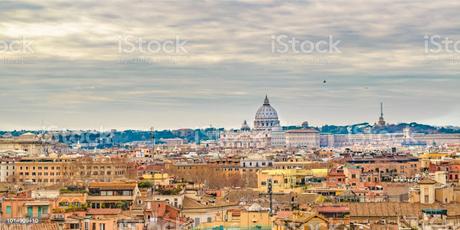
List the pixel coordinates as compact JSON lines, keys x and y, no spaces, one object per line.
{"x":381,"y":121}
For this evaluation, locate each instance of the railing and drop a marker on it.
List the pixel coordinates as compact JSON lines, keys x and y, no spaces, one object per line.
{"x":57,"y":217}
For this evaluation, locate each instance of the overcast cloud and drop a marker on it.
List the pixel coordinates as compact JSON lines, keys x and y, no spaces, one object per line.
{"x":69,"y":67}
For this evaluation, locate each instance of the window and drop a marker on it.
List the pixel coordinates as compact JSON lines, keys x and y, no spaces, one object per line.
{"x":8,"y":209}
{"x":102,"y":226}
{"x":29,"y":212}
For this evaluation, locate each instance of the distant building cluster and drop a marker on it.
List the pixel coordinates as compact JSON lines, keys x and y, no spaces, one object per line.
{"x":267,"y":132}
{"x":261,"y":177}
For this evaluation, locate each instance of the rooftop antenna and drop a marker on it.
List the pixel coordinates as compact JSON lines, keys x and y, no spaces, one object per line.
{"x":381,"y":109}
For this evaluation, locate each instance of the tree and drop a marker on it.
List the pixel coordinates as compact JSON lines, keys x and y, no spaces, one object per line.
{"x":145,"y":184}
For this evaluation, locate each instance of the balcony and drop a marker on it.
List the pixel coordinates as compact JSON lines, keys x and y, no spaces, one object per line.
{"x":57,"y":217}
{"x":109,"y":198}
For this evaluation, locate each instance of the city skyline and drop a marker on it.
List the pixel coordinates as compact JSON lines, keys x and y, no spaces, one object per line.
{"x":98,"y":65}
{"x":377,"y":123}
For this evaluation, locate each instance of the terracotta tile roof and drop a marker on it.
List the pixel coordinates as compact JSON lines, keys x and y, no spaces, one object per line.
{"x":104,"y":211}
{"x":333,"y":209}
{"x":283,"y":214}
{"x":383,"y":209}
{"x":116,"y":185}
{"x":392,"y":209}
{"x":189,"y":203}
{"x":166,"y":212}
{"x":427,"y":181}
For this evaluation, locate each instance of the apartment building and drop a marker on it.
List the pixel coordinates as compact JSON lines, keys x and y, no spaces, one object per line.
{"x":116,"y":194}
{"x":6,"y":170}
{"x":101,"y":168}
{"x":44,"y":170}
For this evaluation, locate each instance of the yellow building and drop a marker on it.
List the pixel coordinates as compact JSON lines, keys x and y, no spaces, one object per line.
{"x":254,"y":217}
{"x":102,"y":169}
{"x":44,"y":170}
{"x":300,"y":220}
{"x":157,"y":178}
{"x":426,"y":158}
{"x":287,"y":180}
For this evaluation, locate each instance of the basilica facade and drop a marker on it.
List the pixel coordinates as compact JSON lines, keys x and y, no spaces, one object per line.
{"x":267,"y":131}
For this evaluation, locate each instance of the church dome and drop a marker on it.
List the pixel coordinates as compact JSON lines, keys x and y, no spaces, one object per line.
{"x":266,"y":116}
{"x":266,"y":111}
{"x":245,"y":126}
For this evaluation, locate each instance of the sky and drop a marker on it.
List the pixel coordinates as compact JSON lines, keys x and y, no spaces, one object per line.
{"x":175,"y":64}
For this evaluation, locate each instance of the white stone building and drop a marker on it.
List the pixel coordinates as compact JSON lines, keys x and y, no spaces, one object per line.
{"x":303,"y":138}
{"x":267,"y":131}
{"x":255,"y":161}
{"x":27,"y":144}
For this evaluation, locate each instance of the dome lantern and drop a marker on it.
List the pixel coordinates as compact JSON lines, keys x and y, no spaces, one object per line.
{"x":266,"y":117}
